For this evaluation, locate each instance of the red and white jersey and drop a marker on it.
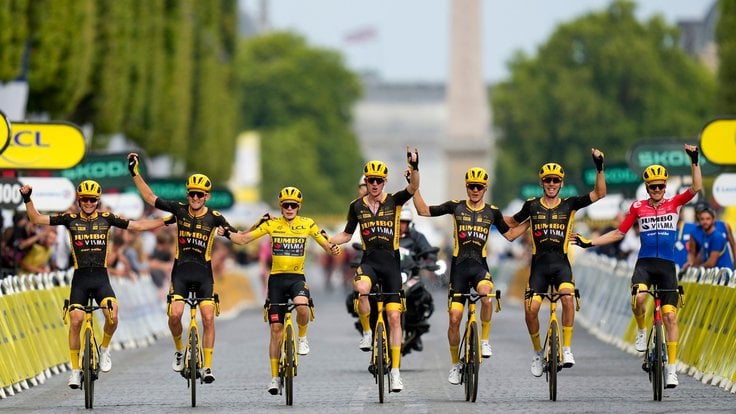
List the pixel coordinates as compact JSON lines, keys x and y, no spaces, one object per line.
{"x":657,"y":226}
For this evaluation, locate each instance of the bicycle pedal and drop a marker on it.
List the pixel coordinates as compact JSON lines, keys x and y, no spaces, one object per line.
{"x":645,"y":367}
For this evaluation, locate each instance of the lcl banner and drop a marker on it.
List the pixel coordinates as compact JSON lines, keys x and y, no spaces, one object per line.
{"x":45,"y":146}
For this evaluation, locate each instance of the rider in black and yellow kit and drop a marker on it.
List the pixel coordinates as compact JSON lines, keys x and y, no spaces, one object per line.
{"x":289,"y":234}
{"x":472,"y":219}
{"x":196,"y":229}
{"x":89,"y":237}
{"x":377,"y":213}
{"x":551,"y":219}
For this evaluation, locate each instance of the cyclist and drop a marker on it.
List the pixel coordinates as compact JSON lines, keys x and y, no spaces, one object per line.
{"x":473,"y":219}
{"x":551,"y":220}
{"x":196,"y":227}
{"x":378,"y":213}
{"x":89,"y":233}
{"x":657,"y":217}
{"x":711,"y":240}
{"x":289,"y":234}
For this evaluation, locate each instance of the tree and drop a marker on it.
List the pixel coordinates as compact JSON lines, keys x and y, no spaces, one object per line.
{"x":604,"y":80}
{"x":726,"y":39}
{"x":300,"y":98}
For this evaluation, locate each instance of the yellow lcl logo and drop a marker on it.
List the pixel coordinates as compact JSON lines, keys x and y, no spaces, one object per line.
{"x":43,"y":146}
{"x":718,"y":141}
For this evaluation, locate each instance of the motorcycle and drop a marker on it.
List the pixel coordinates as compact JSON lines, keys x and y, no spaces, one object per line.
{"x":419,"y":301}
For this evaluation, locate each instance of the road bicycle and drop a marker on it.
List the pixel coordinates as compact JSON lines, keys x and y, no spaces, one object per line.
{"x":470,"y":343}
{"x":655,"y":357}
{"x":289,"y":360}
{"x":380,"y":365}
{"x":193,"y":354}
{"x":90,"y":349}
{"x":553,"y":341}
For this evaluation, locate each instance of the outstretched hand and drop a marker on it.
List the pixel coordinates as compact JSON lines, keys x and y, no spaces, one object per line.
{"x":580,"y":240}
{"x":692,"y":152}
{"x":412,"y":158}
{"x":133,"y":164}
{"x":597,"y":158}
{"x":25,"y":192}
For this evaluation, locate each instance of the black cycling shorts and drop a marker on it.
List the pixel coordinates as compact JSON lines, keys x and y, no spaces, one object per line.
{"x":466,"y":275}
{"x":655,"y":271}
{"x":90,"y":281}
{"x":192,"y":275}
{"x":549,"y":268}
{"x":281,"y":288}
{"x":382,"y":266}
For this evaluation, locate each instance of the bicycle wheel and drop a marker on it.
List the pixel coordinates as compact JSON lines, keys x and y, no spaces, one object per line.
{"x":87,"y":370}
{"x":553,"y":361}
{"x":472,"y":364}
{"x":193,"y":350}
{"x":380,"y":358}
{"x":289,"y":364}
{"x":658,"y":363}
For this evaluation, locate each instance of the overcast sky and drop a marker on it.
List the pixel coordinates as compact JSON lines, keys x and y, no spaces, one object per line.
{"x":407,"y":40}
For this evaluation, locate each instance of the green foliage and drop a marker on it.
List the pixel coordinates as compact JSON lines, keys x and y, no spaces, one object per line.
{"x":726,"y":39}
{"x":62,"y":45}
{"x":13,"y":38}
{"x":604,"y":80}
{"x":301,"y":98}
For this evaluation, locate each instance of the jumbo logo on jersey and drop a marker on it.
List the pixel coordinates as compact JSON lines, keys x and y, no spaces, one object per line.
{"x":193,"y":238}
{"x":478,"y":232}
{"x":663,"y":222}
{"x":90,"y":239}
{"x":550,"y":229}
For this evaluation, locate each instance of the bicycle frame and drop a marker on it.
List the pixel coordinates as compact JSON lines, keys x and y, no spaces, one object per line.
{"x":380,"y":358}
{"x":470,"y":342}
{"x":289,"y":360}
{"x":655,"y":357}
{"x":552,"y":346}
{"x":193,"y":352}
{"x":88,"y":345}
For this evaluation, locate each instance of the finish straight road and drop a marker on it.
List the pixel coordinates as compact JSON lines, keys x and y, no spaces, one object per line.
{"x":333,"y":378}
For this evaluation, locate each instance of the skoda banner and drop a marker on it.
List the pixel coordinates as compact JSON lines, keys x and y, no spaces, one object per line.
{"x":221,"y":198}
{"x":110,"y":170}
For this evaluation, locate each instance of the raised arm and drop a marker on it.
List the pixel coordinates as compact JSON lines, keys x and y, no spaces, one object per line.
{"x":146,"y":193}
{"x":697,"y":184}
{"x":33,"y":214}
{"x":420,"y":204}
{"x":413,"y":159}
{"x":599,"y":190}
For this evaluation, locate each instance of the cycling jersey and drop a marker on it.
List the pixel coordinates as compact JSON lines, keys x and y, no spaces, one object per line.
{"x":378,"y":231}
{"x":89,"y":236}
{"x":195,"y":234}
{"x":657,"y":226}
{"x":716,"y":241}
{"x":471,"y":227}
{"x":551,"y":225}
{"x":289,"y":242}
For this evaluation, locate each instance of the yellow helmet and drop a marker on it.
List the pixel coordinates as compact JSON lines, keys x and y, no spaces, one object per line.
{"x":290,"y":194}
{"x":551,"y":168}
{"x":476,"y":175}
{"x":89,"y":188}
{"x":654,"y":173}
{"x":375,"y":169}
{"x":199,"y":182}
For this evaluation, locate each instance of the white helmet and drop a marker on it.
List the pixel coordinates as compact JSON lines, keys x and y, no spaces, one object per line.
{"x":361,"y":181}
{"x":406,"y":215}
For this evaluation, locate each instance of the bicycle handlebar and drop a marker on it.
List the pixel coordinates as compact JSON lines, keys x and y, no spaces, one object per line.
{"x":290,"y":306}
{"x":475,"y":297}
{"x":655,"y":293}
{"x":552,"y":297}
{"x":86,"y":309}
{"x":193,"y":301}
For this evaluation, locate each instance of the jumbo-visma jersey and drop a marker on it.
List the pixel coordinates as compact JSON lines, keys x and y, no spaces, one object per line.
{"x":288,"y":242}
{"x":657,"y":226}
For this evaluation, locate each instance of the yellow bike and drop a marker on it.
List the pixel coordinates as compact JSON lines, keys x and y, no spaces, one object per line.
{"x":90,"y":349}
{"x":470,"y":343}
{"x":289,"y":356}
{"x":553,"y":341}
{"x":193,"y":355}
{"x":380,"y":365}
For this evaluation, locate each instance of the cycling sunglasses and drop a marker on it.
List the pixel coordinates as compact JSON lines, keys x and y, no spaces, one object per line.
{"x":657,"y":186}
{"x":89,"y":199}
{"x":475,"y":187}
{"x":196,"y":194}
{"x":375,"y":180}
{"x":554,"y":180}
{"x":290,"y":206}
